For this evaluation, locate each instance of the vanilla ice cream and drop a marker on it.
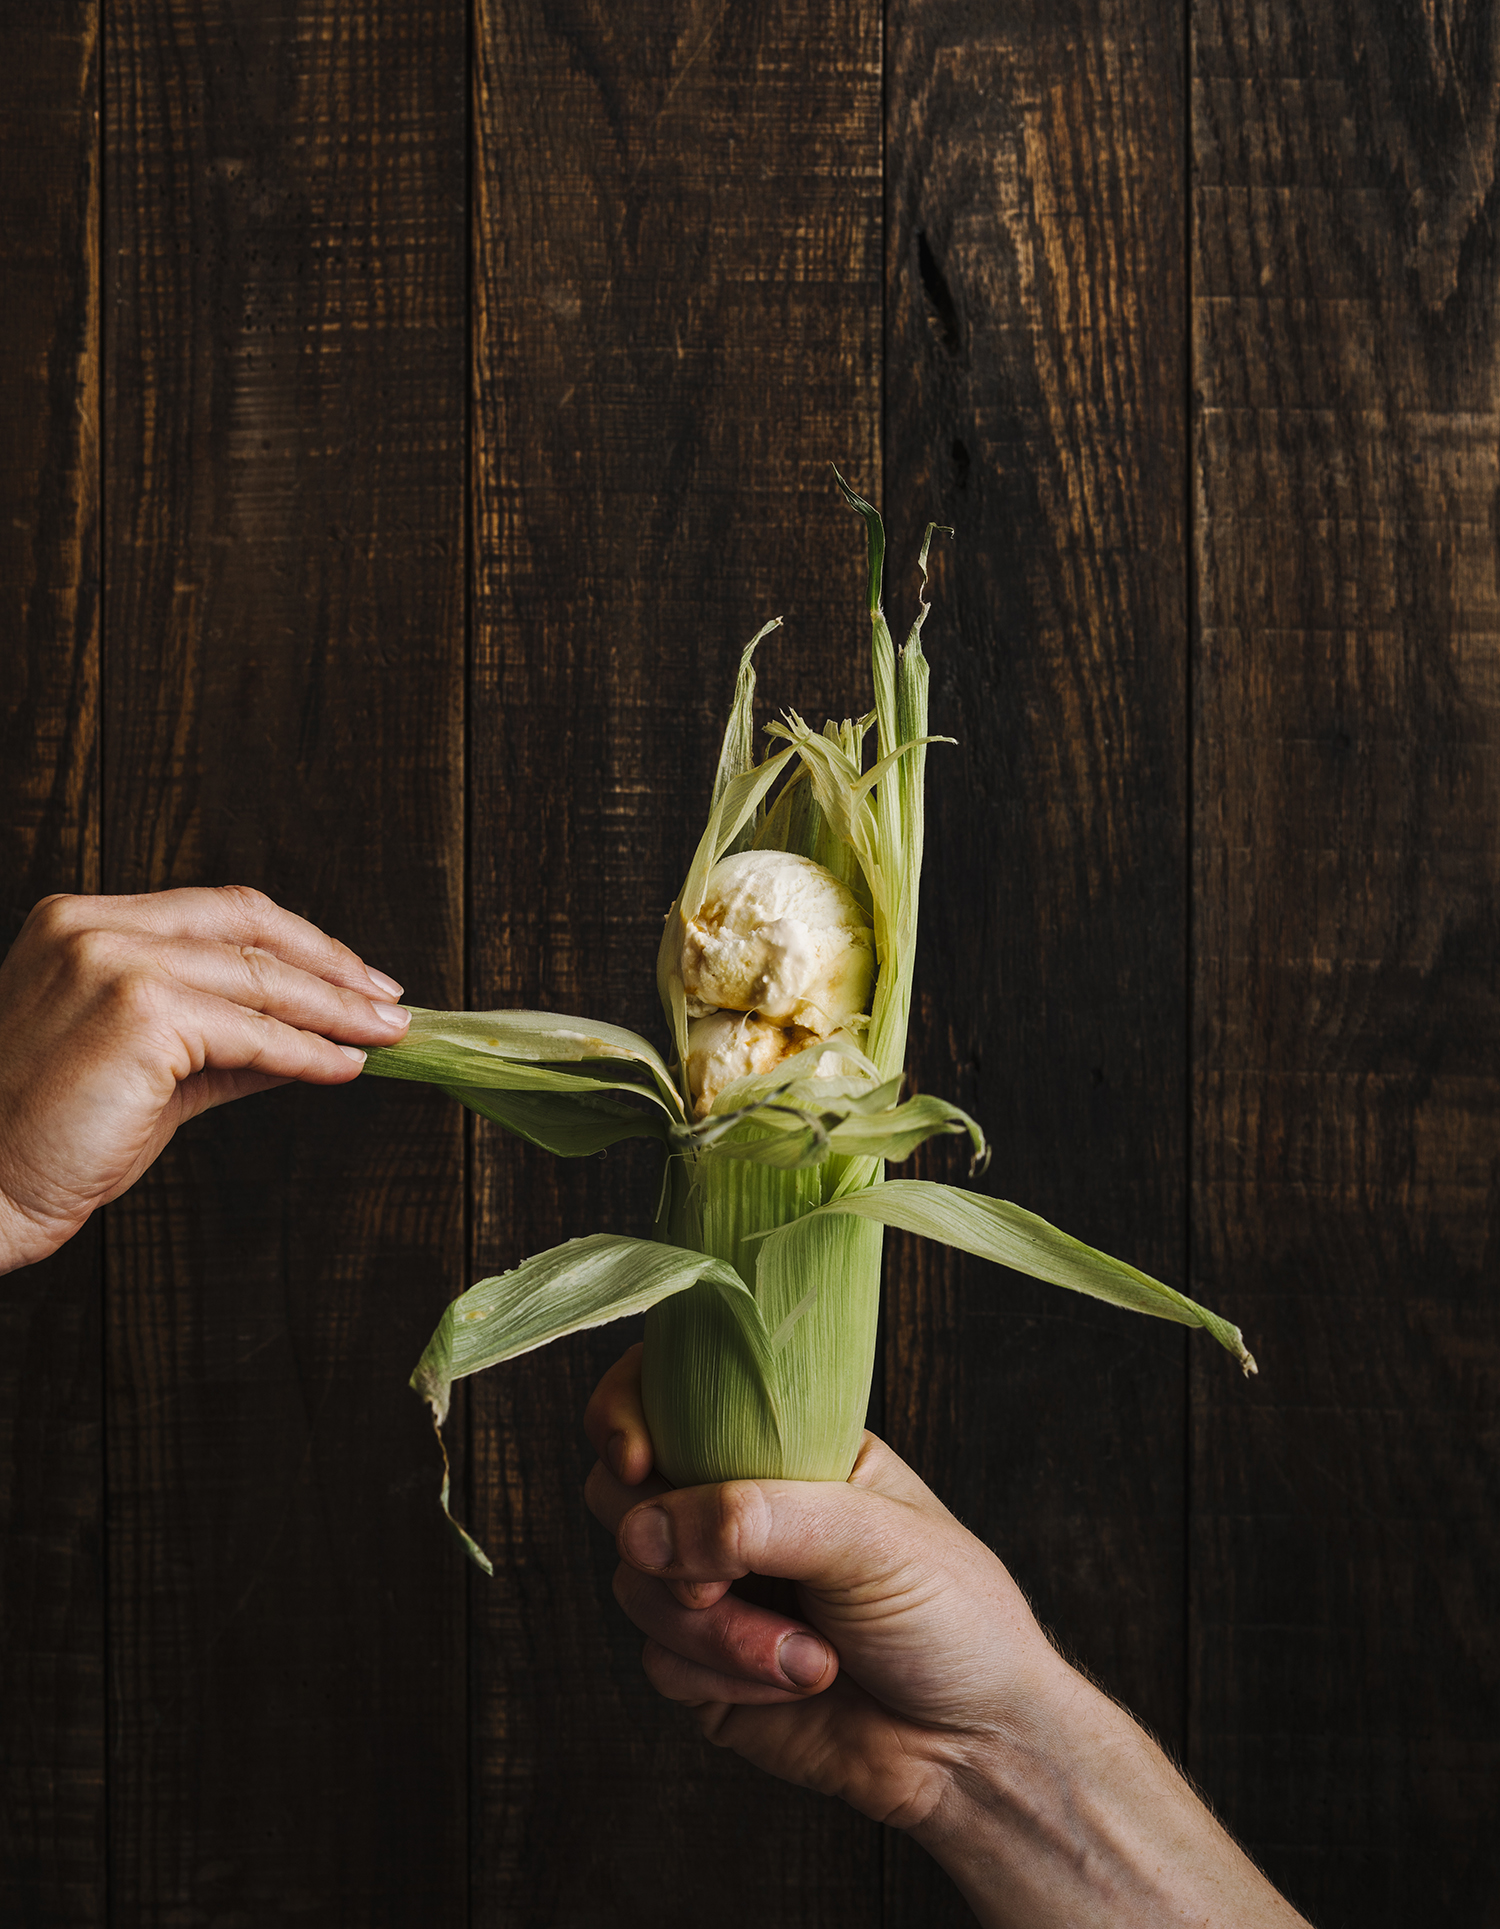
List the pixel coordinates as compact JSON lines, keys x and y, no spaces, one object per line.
{"x":726,"y":1045}
{"x":780,"y":936}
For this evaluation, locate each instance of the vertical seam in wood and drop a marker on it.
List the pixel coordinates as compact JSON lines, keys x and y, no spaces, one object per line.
{"x":102,"y":42}
{"x":883,"y":1859}
{"x":471,"y":1780}
{"x":1189,"y":544}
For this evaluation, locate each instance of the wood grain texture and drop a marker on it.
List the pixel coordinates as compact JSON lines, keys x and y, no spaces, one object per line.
{"x":676,"y":327}
{"x":51,"y":1575}
{"x":1035,"y":400}
{"x":283,"y":705}
{"x":677,"y":315}
{"x":1345,"y":1549}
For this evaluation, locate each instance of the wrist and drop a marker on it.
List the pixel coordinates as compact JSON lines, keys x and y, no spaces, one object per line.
{"x":1010,"y":1825}
{"x":1072,"y":1816}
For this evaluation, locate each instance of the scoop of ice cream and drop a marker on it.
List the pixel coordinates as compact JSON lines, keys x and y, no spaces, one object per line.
{"x":726,"y":1045}
{"x":779,"y":935}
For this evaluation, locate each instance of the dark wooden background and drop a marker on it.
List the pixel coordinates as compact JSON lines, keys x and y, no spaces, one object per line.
{"x":407,"y":411}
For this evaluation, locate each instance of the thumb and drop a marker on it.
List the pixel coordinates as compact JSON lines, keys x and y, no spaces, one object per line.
{"x":836,"y":1538}
{"x":201,"y":1091}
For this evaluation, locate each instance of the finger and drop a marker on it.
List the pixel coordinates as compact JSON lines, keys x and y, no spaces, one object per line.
{"x":833,"y":1743}
{"x":825,"y":1532}
{"x":615,"y":1421}
{"x":691,"y":1683}
{"x":251,"y":976}
{"x":204,"y":1090}
{"x":232,"y":914}
{"x":734,"y":1638}
{"x":203,"y":1033}
{"x":609,"y":1500}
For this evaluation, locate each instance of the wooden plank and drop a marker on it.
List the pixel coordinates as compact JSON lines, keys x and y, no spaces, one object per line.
{"x":1346,"y":1558}
{"x":285,"y":646}
{"x":1035,"y":401}
{"x":51,"y":1578}
{"x":676,"y":326}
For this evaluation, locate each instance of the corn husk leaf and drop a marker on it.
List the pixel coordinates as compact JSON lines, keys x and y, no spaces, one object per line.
{"x":737,"y":751}
{"x":795,"y":822}
{"x":571,"y":1124}
{"x":894,"y":826}
{"x":568,"y":1289}
{"x":701,"y":1405}
{"x":768,"y":1134}
{"x":1008,"y":1235}
{"x":524,"y":1051}
{"x":791,"y":1137}
{"x":893,"y":1135}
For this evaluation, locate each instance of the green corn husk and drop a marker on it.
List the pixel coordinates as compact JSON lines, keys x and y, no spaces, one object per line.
{"x":761,"y":1286}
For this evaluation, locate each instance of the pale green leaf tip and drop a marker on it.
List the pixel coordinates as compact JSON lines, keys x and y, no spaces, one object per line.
{"x":874,"y":537}
{"x":933,"y":529}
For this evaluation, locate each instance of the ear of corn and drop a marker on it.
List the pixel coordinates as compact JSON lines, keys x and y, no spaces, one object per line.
{"x":761,"y":1285}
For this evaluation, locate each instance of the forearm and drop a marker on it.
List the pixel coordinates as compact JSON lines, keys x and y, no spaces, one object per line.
{"x":1076,"y":1820}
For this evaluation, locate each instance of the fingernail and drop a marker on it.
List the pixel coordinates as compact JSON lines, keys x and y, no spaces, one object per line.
{"x":648,"y":1537}
{"x":802,"y":1659}
{"x":614,"y":1453}
{"x":393,"y":1016}
{"x":382,"y":983}
{"x":353,"y":1051}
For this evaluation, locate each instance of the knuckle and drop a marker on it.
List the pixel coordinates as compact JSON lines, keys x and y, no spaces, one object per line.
{"x":742,"y":1648}
{"x":278,"y":1044}
{"x":631,"y":1591}
{"x":667,"y":1672}
{"x":596,"y":1495}
{"x":738,"y":1517}
{"x":712,"y":1718}
{"x":53,"y":917}
{"x":259,"y":967}
{"x":88,"y":956}
{"x":135,"y":996}
{"x":243,"y":902}
{"x":254,"y":1040}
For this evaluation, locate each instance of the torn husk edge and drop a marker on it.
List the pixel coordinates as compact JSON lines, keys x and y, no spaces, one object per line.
{"x":433,"y":1382}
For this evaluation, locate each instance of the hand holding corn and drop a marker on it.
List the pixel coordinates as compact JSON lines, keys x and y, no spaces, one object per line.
{"x":909,"y":1678}
{"x":121,"y":1017}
